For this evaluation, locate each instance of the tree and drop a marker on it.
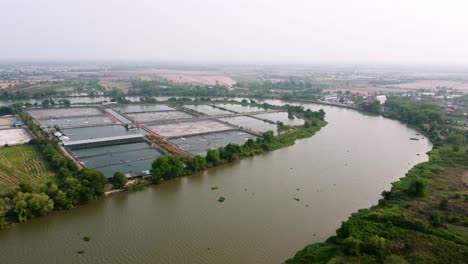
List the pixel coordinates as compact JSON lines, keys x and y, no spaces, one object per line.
{"x":45,"y":103}
{"x":119,"y":180}
{"x":72,"y":188}
{"x":230,"y":152}
{"x":92,"y":183}
{"x":167,"y":167}
{"x":268,"y":136}
{"x":4,"y":208}
{"x":352,"y":246}
{"x":198,"y":163}
{"x":29,"y":205}
{"x":417,"y":188}
{"x":212,"y":156}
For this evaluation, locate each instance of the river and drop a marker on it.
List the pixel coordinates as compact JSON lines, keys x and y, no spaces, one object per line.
{"x":344,"y":167}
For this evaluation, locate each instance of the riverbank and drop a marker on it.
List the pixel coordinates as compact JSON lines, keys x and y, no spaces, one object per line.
{"x":422,"y":219}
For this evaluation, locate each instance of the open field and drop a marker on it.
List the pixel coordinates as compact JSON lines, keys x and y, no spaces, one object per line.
{"x":14,"y":136}
{"x":21,"y":163}
{"x":4,"y":84}
{"x":108,"y":84}
{"x":159,"y":116}
{"x":431,"y":84}
{"x":7,"y":121}
{"x":189,"y":128}
{"x":195,"y":77}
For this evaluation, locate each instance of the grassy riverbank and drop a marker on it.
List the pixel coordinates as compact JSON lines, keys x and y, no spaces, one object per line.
{"x":422,"y":219}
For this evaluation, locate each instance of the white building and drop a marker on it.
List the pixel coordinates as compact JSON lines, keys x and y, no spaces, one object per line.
{"x":381,"y":98}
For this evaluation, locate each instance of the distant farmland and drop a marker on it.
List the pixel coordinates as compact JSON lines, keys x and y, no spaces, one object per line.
{"x":21,"y":164}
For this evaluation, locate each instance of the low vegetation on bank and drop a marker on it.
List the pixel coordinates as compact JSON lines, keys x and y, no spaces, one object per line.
{"x":423,"y":218}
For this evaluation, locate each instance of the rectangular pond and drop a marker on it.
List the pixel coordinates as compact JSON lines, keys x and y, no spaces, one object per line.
{"x":159,"y":116}
{"x":250,"y":123}
{"x":189,"y":128}
{"x":207,"y":109}
{"x":240,"y":108}
{"x":142,"y":108}
{"x":200,"y":144}
{"x":132,"y":158}
{"x":55,"y":113}
{"x":69,"y":122}
{"x":100,"y":132}
{"x":282,"y":117}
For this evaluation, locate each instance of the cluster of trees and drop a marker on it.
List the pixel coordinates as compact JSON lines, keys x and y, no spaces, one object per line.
{"x":50,"y":102}
{"x":290,"y":84}
{"x":66,"y":191}
{"x":413,"y":113}
{"x":21,"y":95}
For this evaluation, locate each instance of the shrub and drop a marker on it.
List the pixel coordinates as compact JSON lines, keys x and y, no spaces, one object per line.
{"x":417,"y":188}
{"x":351,"y":246}
{"x":443,"y":205}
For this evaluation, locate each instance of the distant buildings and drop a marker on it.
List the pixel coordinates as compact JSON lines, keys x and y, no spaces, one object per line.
{"x":381,"y":99}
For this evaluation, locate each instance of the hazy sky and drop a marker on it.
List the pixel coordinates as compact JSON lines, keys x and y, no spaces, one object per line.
{"x":311,"y":31}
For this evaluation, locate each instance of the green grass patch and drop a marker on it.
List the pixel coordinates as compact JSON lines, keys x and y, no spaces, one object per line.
{"x":22,"y":164}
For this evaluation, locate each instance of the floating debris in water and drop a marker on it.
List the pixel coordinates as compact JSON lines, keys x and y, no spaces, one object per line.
{"x":414,"y":138}
{"x":221,"y":199}
{"x":214,"y":188}
{"x":297,"y":199}
{"x":81,"y":252}
{"x":86,"y":238}
{"x":307,"y":205}
{"x":298,"y":189}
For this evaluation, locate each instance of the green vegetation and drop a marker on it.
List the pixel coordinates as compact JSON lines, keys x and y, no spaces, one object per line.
{"x":22,"y":164}
{"x":423,"y":219}
{"x":86,"y":238}
{"x":221,"y":199}
{"x":119,"y":180}
{"x":68,"y":189}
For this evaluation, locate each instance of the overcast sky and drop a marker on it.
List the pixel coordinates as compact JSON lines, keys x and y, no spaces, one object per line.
{"x":306,"y":31}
